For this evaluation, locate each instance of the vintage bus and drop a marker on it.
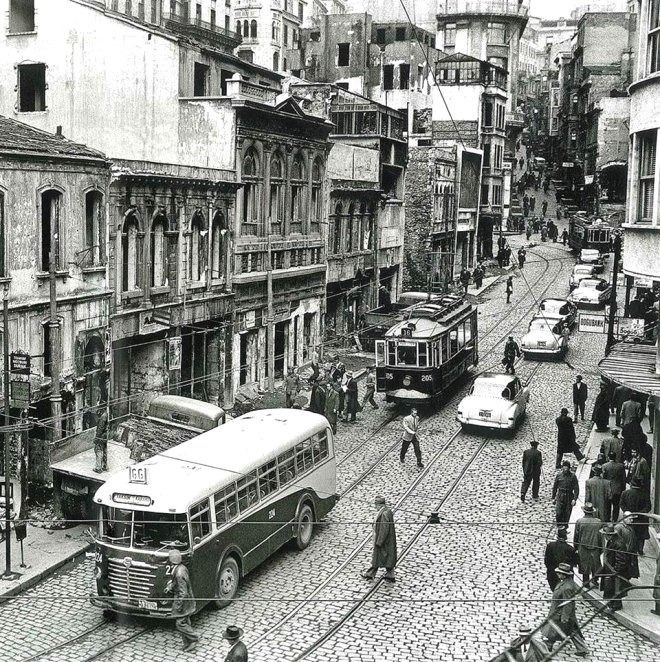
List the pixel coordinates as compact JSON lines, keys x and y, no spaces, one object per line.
{"x":422,"y":356}
{"x":227,"y":499}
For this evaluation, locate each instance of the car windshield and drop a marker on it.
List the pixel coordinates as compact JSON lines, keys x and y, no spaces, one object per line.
{"x":406,"y":353}
{"x":144,"y":530}
{"x":541,"y":324}
{"x":487,"y":389}
{"x":555,"y":306}
{"x":592,"y":284}
{"x":581,"y":270}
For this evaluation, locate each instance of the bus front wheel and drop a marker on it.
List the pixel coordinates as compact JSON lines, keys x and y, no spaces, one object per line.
{"x":304,"y":527}
{"x":227,"y":583}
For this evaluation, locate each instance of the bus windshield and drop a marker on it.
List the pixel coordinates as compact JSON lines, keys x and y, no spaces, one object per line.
{"x":144,"y":530}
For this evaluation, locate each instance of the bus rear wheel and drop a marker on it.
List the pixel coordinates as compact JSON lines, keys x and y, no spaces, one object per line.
{"x":228,"y":579}
{"x":304,"y":527}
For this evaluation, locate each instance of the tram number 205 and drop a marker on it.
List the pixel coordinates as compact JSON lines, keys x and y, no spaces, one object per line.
{"x":427,"y":378}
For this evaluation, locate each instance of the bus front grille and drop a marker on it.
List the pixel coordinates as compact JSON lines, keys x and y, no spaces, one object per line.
{"x":135,"y":581}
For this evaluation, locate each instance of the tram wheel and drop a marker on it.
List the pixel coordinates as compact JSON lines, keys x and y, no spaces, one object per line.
{"x":304,"y":527}
{"x":228,"y":579}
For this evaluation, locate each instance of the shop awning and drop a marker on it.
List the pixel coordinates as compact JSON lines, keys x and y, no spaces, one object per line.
{"x":632,"y":365}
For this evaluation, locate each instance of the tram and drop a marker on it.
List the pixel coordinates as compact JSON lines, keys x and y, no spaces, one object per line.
{"x":423,"y":355}
{"x":227,"y":499}
{"x":589,"y":233}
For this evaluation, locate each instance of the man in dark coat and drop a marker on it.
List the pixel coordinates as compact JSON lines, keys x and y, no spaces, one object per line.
{"x":237,"y":651}
{"x":565,"y":493}
{"x":598,"y":491}
{"x":566,"y":442}
{"x":587,"y":542}
{"x":478,"y":276}
{"x":613,"y":444}
{"x":332,"y":405}
{"x":633,"y":438}
{"x":511,"y":352}
{"x":532,"y":461}
{"x":522,"y":257}
{"x":615,"y":472}
{"x":465,"y":278}
{"x":385,"y":552}
{"x":562,"y":619}
{"x":317,"y":397}
{"x":352,"y":404}
{"x":183,"y":602}
{"x":633,"y":500}
{"x":556,"y":552}
{"x":627,"y":534}
{"x":291,"y":387}
{"x":580,"y":393}
{"x":621,"y":394}
{"x":631,"y":411}
{"x":601,"y":413}
{"x":614,"y":561}
{"x":641,"y":471}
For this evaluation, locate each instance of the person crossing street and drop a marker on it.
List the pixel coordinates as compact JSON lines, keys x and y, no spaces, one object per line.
{"x":511,"y":353}
{"x":566,"y":440}
{"x":385,"y":552}
{"x":183,"y":602}
{"x":565,"y":493}
{"x":532,"y":461}
{"x":410,"y":432}
{"x":370,"y":389}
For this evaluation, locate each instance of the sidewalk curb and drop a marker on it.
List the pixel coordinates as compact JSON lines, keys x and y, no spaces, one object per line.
{"x":32,"y":581}
{"x":477,"y":293}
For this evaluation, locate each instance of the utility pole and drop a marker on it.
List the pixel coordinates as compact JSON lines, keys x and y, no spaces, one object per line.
{"x":613,"y":307}
{"x":7,"y":454}
{"x":54,"y":325}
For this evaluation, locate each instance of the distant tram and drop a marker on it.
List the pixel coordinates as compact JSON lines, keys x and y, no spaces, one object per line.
{"x":422,"y":356}
{"x":588,"y":233}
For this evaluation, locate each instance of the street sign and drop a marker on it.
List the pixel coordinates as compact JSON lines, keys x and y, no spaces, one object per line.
{"x":589,"y":323}
{"x":19,"y":363}
{"x":630,"y":326}
{"x":20,"y":394}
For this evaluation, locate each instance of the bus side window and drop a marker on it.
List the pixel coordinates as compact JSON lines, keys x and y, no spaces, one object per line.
{"x":267,"y":479}
{"x":226,"y":507}
{"x":437,"y":359}
{"x":320,"y":447}
{"x":247,"y":491}
{"x":304,"y":456}
{"x":286,"y":467}
{"x":200,"y":519}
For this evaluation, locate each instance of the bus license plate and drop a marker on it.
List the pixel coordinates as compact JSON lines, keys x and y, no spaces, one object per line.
{"x":147,"y":604}
{"x":484,"y":414}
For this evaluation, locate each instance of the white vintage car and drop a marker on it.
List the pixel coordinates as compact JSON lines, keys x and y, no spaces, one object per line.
{"x":544,"y":336}
{"x":580,"y":272}
{"x":591,"y":292}
{"x":563,"y":308}
{"x":496,"y":401}
{"x":593,"y":257}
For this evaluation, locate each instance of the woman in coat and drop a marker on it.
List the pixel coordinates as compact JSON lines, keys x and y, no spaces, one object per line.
{"x":601,"y":415}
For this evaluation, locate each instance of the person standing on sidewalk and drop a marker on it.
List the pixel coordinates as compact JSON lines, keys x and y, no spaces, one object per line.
{"x":631,"y":411}
{"x":370,"y":389}
{"x":580,"y":394}
{"x":478,"y":276}
{"x":410,"y":432}
{"x":509,"y":288}
{"x":522,"y":256}
{"x":620,"y":396}
{"x":613,"y":444}
{"x":384,"y":553}
{"x":465,"y":278}
{"x":532,"y":461}
{"x":614,"y":471}
{"x":556,"y":552}
{"x":587,"y":542}
{"x":565,"y":493}
{"x":566,"y":441}
{"x":598,"y":491}
{"x":183,"y":603}
{"x":352,"y":404}
{"x":633,"y":500}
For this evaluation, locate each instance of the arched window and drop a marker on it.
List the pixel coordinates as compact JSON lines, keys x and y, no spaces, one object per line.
{"x":317,"y":202}
{"x":276,"y":205}
{"x":276,"y":31}
{"x":158,"y":261}
{"x":285,"y":64}
{"x":253,"y":29}
{"x":298,"y":186}
{"x":246,"y":28}
{"x":368,"y":229}
{"x":130,"y":254}
{"x":336,"y":231}
{"x":196,"y":248}
{"x":239,"y":30}
{"x":218,"y":244}
{"x":94,"y":230}
{"x":250,"y":196}
{"x":51,"y":209}
{"x":350,"y":229}
{"x":276,"y":61}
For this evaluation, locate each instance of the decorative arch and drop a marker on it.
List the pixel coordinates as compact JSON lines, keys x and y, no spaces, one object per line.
{"x":94,"y":254}
{"x":250,"y":193}
{"x":276,"y":204}
{"x":350,"y":228}
{"x":130,"y":251}
{"x":298,"y":188}
{"x":335,"y":230}
{"x":316,"y":211}
{"x":196,"y":246}
{"x":158,"y":250}
{"x":253,"y":29}
{"x":219,"y":244}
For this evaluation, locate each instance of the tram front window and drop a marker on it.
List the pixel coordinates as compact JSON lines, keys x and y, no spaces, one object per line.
{"x":143,"y":530}
{"x":406,"y":354}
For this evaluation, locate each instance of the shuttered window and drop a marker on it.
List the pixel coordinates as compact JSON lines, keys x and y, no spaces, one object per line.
{"x":647,"y":150}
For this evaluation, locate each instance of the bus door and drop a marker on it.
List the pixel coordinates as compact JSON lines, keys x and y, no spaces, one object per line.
{"x":205,"y":553}
{"x":381,"y":381}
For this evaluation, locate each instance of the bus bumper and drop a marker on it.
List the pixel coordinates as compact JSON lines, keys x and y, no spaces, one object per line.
{"x":148,"y":608}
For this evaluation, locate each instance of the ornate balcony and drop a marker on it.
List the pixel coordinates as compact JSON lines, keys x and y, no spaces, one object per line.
{"x":181,"y":22}
{"x":484,"y":7}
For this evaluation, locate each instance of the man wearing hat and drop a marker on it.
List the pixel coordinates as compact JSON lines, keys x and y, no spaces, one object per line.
{"x":629,"y":541}
{"x":613,"y":444}
{"x":332,"y":404}
{"x":640,"y":469}
{"x":532,"y":461}
{"x":557,"y":552}
{"x":526,"y":647}
{"x":598,"y":491}
{"x":634,"y":500}
{"x":615,"y":472}
{"x":587,"y":541}
{"x":183,"y":602}
{"x":352,"y":404}
{"x":565,"y":493}
{"x":237,"y":651}
{"x":566,"y":440}
{"x":580,"y":392}
{"x":562,"y":621}
{"x":384,"y":553}
{"x":616,"y":568}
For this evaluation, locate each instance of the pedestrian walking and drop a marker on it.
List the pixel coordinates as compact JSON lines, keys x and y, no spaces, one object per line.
{"x":621,"y":394}
{"x":511,"y":352}
{"x":532,"y":461}
{"x":544,"y":207}
{"x":532,"y":203}
{"x":478,"y":276}
{"x":633,"y":500}
{"x":587,"y":541}
{"x":631,"y":411}
{"x":640,"y":470}
{"x":562,"y":621}
{"x":385,"y":552}
{"x":291,"y":387}
{"x":556,"y":552}
{"x":633,"y":438}
{"x":316,"y":368}
{"x":183,"y":600}
{"x":564,"y":235}
{"x":370,"y":389}
{"x":526,"y":647}
{"x":566,"y":441}
{"x":522,"y":257}
{"x":101,"y":440}
{"x":625,"y":529}
{"x":613,"y":444}
{"x":509,"y":288}
{"x":465,"y":278}
{"x":598,"y":491}
{"x":507,"y":255}
{"x":410,"y":436}
{"x":332,"y":404}
{"x":614,"y":471}
{"x":528,"y":231}
{"x":580,"y":394}
{"x":352,"y":404}
{"x":317,"y":397}
{"x":237,"y":649}
{"x":565,"y":493}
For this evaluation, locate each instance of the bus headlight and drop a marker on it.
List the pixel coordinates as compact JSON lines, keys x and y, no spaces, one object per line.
{"x":97,"y":573}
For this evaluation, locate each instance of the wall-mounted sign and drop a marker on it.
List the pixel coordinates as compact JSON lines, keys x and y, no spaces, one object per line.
{"x":19,"y":363}
{"x":20,"y":394}
{"x":588,"y":323}
{"x":174,"y":353}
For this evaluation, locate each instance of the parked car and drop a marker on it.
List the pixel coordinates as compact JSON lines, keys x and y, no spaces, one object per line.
{"x":496,"y":400}
{"x":563,"y":308}
{"x":580,"y":271}
{"x":591,"y":292}
{"x":593,"y":257}
{"x":544,"y":336}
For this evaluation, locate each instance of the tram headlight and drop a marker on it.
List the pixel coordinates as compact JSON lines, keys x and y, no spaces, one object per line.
{"x":407,"y":381}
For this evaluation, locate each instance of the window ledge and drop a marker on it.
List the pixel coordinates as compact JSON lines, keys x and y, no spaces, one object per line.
{"x":45,"y":275}
{"x":97,"y":269}
{"x":132,"y":294}
{"x":194,"y":286}
{"x":20,"y":34}
{"x":5,"y":280}
{"x":160,"y":289}
{"x":30,"y":112}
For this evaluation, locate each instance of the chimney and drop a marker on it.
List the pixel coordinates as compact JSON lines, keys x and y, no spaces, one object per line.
{"x":58,"y":131}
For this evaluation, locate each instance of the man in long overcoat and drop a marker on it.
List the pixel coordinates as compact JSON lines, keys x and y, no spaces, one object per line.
{"x":629,"y":541}
{"x":609,"y":583}
{"x":613,"y":444}
{"x":556,"y":552}
{"x":565,"y":493}
{"x":566,"y":442}
{"x":532,"y":461}
{"x":615,"y":472}
{"x":640,"y":470}
{"x":598,"y":491}
{"x":385,"y":552}
{"x":601,"y":413}
{"x":332,"y":405}
{"x":587,"y":541}
{"x":631,"y":410}
{"x":352,"y":404}
{"x":634,"y":500}
{"x":621,"y":394}
{"x":183,"y":602}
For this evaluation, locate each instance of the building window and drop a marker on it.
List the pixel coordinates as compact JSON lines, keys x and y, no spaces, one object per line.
{"x":404,"y":76}
{"x":129,"y":253}
{"x":201,"y":80}
{"x":286,"y":34}
{"x":368,"y":229}
{"x":213,"y":18}
{"x":154,"y":11}
{"x":380,"y":35}
{"x":647,"y":151}
{"x":654,"y":37}
{"x":400,"y":34}
{"x":196,"y":248}
{"x":94,"y":230}
{"x":298,"y":186}
{"x":300,"y":10}
{"x":218,"y":233}
{"x":246,"y":56}
{"x":317,"y":200}
{"x":246,"y":28}
{"x":276,"y":31}
{"x":285,"y":64}
{"x":21,"y":16}
{"x":51,"y":209}
{"x":253,"y":29}
{"x":198,"y":13}
{"x":497,"y":33}
{"x":31,"y":88}
{"x":486,"y":149}
{"x":158,"y":251}
{"x":450,"y":34}
{"x":227,"y":19}
{"x":250,"y":194}
{"x":343,"y":54}
{"x":128,"y":7}
{"x":48,"y":361}
{"x":276,"y":206}
{"x":239,"y":29}
{"x":276,"y":61}
{"x":335,"y":233}
{"x":484,"y":194}
{"x":388,"y":77}
{"x":350,"y":229}
{"x":488,"y":114}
